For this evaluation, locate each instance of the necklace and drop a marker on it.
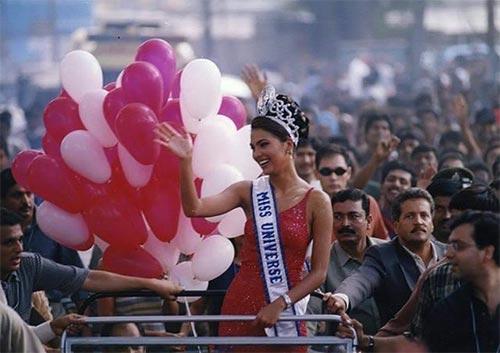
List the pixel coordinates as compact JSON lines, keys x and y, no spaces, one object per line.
{"x":474,"y":330}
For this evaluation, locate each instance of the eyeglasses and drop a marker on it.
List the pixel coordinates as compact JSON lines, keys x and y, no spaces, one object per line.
{"x":339,"y":171}
{"x":458,"y":246}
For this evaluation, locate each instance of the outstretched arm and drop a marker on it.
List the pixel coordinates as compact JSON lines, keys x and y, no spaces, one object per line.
{"x":102,"y":281}
{"x":182,"y":146}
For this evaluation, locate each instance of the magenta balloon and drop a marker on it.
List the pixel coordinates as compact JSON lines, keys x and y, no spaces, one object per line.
{"x":142,"y":83}
{"x":134,"y":128}
{"x":113,"y":103}
{"x":61,"y":117}
{"x":159,"y":53}
{"x":234,"y":110}
{"x":21,"y":164}
{"x":176,"y":85}
{"x":171,"y":113}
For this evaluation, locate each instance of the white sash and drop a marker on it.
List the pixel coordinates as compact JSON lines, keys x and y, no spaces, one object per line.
{"x":273,"y":267}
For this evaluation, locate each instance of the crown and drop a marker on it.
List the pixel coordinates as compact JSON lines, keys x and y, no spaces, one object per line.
{"x":280,"y":110}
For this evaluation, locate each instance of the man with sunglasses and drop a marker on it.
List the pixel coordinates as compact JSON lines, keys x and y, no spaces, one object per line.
{"x":334,"y":171}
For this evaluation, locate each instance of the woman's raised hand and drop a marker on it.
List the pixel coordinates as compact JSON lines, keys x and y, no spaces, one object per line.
{"x":180,"y":144}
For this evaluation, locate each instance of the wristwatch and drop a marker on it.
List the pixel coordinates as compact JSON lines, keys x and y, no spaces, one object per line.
{"x":287,"y":300}
{"x":371,"y":344}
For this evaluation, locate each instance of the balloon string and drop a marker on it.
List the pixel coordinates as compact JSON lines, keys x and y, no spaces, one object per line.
{"x":193,"y":328}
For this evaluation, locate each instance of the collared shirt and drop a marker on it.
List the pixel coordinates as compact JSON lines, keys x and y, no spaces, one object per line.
{"x":418,"y":260}
{"x":341,"y":266}
{"x":37,"y":273}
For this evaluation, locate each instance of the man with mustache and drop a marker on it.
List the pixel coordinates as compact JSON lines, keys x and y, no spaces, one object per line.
{"x":390,"y":271}
{"x":351,"y":225}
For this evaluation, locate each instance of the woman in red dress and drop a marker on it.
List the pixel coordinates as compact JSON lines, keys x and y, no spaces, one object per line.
{"x":303,"y":214}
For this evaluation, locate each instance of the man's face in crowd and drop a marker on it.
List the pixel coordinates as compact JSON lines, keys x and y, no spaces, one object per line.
{"x":463,"y":253}
{"x":414,"y":226}
{"x":395,"y":183}
{"x":452,"y":163}
{"x":11,"y":247}
{"x":304,"y":161}
{"x":350,"y":222}
{"x":378,"y":131}
{"x":423,"y":160}
{"x":333,"y":174}
{"x":430,"y":124}
{"x":406,"y":147}
{"x":442,"y":217}
{"x":20,"y":201}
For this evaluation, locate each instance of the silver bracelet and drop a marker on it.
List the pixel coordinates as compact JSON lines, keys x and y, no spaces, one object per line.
{"x":287,"y":300}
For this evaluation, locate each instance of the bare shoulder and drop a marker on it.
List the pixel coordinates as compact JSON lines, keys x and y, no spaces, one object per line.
{"x":319,"y":198}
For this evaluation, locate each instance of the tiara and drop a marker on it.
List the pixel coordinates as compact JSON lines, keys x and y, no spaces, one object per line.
{"x":279,"y":110}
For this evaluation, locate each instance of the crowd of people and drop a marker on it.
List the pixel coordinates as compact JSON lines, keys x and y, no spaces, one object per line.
{"x":396,"y":195}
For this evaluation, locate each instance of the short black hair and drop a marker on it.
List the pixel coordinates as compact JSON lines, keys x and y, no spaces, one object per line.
{"x":331,"y":150}
{"x":479,"y":165}
{"x":397,"y":165}
{"x":484,"y":116}
{"x":306,"y":142}
{"x":450,"y":153}
{"x":6,"y":118}
{"x":423,"y":111}
{"x":407,"y":134}
{"x":423,"y":149}
{"x":476,"y":197}
{"x":369,"y":117}
{"x":353,"y":194}
{"x":9,"y":218}
{"x":452,"y":136}
{"x":486,"y":226}
{"x":6,"y":181}
{"x":410,"y":194}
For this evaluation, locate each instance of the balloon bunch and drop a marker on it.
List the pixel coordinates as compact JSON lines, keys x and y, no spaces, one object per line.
{"x":104,"y":179}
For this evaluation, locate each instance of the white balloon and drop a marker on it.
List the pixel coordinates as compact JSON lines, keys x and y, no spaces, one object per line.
{"x":92,"y":115}
{"x":80,"y":72}
{"x":137,"y":174}
{"x":186,"y":239}
{"x":118,"y":82}
{"x":183,"y":275}
{"x":166,"y":253}
{"x":68,"y":229}
{"x":212,"y":258}
{"x":200,"y":90}
{"x":218,"y":180}
{"x":84,"y":154}
{"x":212,"y":146}
{"x":241,"y":155}
{"x":233,"y":223}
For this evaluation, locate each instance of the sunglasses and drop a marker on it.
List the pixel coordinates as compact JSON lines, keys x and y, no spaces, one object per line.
{"x":339,"y":171}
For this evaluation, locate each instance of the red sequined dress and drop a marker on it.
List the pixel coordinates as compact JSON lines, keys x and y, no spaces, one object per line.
{"x":245,"y":295}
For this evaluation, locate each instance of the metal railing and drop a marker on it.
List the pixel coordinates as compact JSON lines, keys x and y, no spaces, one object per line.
{"x":69,"y":342}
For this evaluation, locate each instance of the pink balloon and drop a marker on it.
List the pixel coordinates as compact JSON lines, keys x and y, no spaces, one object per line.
{"x":50,"y":179}
{"x":166,"y":253}
{"x":137,"y":174}
{"x":167,"y":166}
{"x":117,"y":221}
{"x":21,"y":164}
{"x":159,"y":53}
{"x":161,"y":207}
{"x":110,"y":86}
{"x":113,"y":103}
{"x":176,"y":85}
{"x":135,"y":127}
{"x":51,"y":146}
{"x":171,"y":113}
{"x":233,"y":109}
{"x":142,"y":83}
{"x":61,"y":117}
{"x":202,"y":226}
{"x":135,"y":262}
{"x":68,"y":229}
